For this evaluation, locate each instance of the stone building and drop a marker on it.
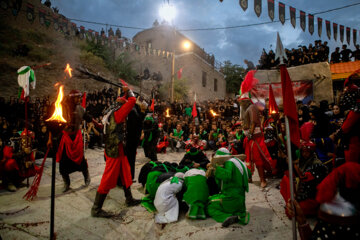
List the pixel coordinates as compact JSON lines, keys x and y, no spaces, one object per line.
{"x":151,"y":52}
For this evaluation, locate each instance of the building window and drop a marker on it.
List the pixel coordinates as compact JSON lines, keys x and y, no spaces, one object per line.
{"x":204,"y":79}
{"x":215,"y":84}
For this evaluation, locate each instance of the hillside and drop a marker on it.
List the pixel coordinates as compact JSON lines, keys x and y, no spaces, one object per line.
{"x":23,"y":43}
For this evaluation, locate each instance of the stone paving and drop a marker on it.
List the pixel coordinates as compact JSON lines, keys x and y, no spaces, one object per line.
{"x":20,"y":219}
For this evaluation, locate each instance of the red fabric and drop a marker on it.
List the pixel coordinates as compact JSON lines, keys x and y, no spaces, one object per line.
{"x":83,"y":103}
{"x":74,"y":149}
{"x":113,"y":168}
{"x":179,"y":73}
{"x":290,"y":105}
{"x":11,"y":165}
{"x":152,"y":107}
{"x":273,"y":107}
{"x":249,"y":82}
{"x":306,"y":130}
{"x":285,"y":187}
{"x":309,"y":207}
{"x":123,"y":82}
{"x":121,"y":114}
{"x":164,"y":144}
{"x":194,"y":112}
{"x":352,"y":154}
{"x":348,"y":173}
{"x":253,"y":154}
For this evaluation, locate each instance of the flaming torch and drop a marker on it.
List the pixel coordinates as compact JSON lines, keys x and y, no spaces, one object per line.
{"x":56,"y":124}
{"x":213,"y":113}
{"x":167,"y":113}
{"x":68,"y":70}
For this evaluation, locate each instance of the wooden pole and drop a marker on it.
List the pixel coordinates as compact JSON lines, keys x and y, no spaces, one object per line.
{"x":291,"y":178}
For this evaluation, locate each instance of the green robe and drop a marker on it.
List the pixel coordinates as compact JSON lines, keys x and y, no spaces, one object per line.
{"x":151,"y":187}
{"x":231,"y":199}
{"x":196,"y":195}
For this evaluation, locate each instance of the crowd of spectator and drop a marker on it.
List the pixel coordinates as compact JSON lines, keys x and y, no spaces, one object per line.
{"x":319,"y":52}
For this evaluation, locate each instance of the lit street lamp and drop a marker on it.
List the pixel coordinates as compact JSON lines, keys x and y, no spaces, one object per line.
{"x":186,"y":45}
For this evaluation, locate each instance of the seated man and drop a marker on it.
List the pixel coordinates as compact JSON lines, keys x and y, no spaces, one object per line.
{"x":195,"y":142}
{"x":177,"y":138}
{"x":228,"y":206}
{"x":194,"y":158}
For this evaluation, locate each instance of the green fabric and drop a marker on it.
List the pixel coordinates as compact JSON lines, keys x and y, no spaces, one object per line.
{"x":241,"y":136}
{"x":149,"y":118}
{"x":221,"y":153}
{"x":178,"y":134}
{"x":183,"y":170}
{"x":188,"y":111}
{"x":175,"y":180}
{"x":24,"y":71}
{"x":231,"y":200}
{"x":192,"y":153}
{"x":196,"y":196}
{"x":151,"y":187}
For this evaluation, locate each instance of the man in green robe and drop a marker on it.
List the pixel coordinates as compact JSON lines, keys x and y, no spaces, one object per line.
{"x":228,"y":206}
{"x":196,"y":194}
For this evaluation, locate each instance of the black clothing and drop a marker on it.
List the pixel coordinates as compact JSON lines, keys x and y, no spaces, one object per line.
{"x":199,"y":158}
{"x":345,"y":55}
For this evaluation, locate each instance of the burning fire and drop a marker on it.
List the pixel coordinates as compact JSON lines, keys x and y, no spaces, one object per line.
{"x":213,"y":113}
{"x":68,"y":69}
{"x":58,"y":113}
{"x":167,"y":112}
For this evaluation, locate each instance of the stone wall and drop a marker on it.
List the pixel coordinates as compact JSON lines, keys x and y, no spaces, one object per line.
{"x":319,"y":73}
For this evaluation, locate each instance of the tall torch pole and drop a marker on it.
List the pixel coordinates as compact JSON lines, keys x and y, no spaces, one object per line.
{"x":172,"y":76}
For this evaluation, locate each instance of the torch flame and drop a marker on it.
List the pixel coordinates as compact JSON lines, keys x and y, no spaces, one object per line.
{"x":68,"y":69}
{"x":167,"y":112}
{"x":213,"y":113}
{"x":57,"y":115}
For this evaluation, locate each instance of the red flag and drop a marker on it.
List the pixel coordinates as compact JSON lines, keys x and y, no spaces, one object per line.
{"x":83,"y":103}
{"x":249,"y":82}
{"x":273,"y":108}
{"x":179,"y":73}
{"x":290,"y":106}
{"x":123,"y":82}
{"x":194,"y":111}
{"x":152,"y":107}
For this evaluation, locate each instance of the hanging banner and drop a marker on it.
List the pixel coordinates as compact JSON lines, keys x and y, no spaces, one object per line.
{"x":293,"y":16}
{"x":319,"y":26}
{"x":328,"y":29}
{"x":4,"y":4}
{"x":243,"y":4}
{"x":335,"y":30}
{"x":30,"y":15}
{"x":282,"y":12}
{"x":348,"y":35}
{"x":303,"y":91}
{"x":16,"y":7}
{"x":311,"y":24}
{"x":257,"y":7}
{"x":341,"y":33}
{"x":354,"y":36}
{"x":302,"y":20}
{"x":56,"y":22}
{"x":271,"y":9}
{"x":42,"y":13}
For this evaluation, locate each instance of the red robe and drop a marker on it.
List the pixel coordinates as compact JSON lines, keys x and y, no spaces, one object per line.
{"x":119,"y":165}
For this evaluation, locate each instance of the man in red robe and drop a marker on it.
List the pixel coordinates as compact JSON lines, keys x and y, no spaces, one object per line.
{"x":117,"y":164}
{"x":255,"y":147}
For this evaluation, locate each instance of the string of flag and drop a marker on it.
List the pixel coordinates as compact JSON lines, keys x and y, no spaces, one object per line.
{"x":310,"y":18}
{"x":46,"y":17}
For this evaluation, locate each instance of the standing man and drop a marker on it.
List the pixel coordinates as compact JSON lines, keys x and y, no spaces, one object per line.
{"x":150,"y":138}
{"x":70,"y":154}
{"x":133,"y":132}
{"x":255,"y":147}
{"x":117,"y":164}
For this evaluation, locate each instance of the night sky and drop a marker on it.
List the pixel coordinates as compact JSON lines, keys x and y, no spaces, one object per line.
{"x":227,"y":44}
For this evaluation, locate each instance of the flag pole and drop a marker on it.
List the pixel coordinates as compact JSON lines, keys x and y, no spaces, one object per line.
{"x":290,"y":163}
{"x":280,"y":53}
